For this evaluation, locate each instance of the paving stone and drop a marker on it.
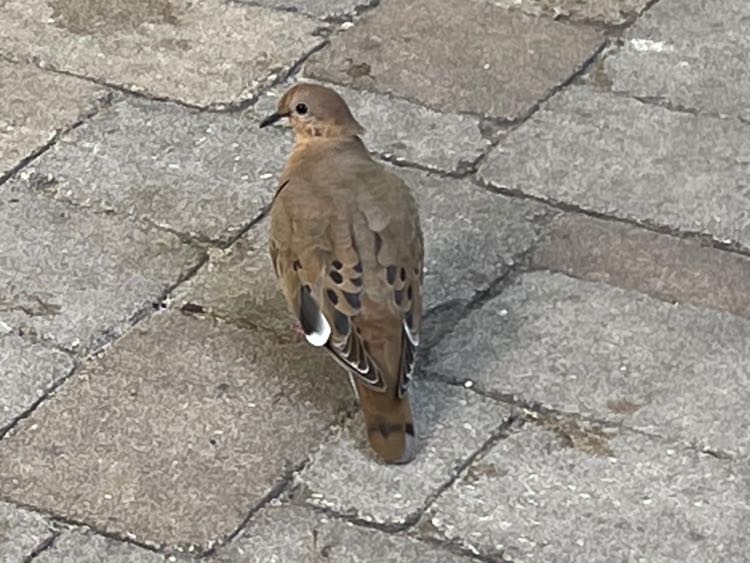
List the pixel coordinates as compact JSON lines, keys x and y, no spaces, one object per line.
{"x":21,"y":532}
{"x":451,"y":425}
{"x":27,"y":371}
{"x":536,"y":498}
{"x":185,"y":425}
{"x":291,"y":533}
{"x":202,"y":53}
{"x":471,"y":236}
{"x":73,"y":276}
{"x":325,"y":9}
{"x":80,"y":547}
{"x":404,"y":131}
{"x":670,"y":268}
{"x":436,"y":52}
{"x":612,"y":12}
{"x":691,"y":54}
{"x":621,"y":157}
{"x":198,"y":173}
{"x":585,"y":347}
{"x":34,"y":106}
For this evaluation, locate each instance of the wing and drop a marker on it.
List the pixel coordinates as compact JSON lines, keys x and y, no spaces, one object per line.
{"x":351,"y":269}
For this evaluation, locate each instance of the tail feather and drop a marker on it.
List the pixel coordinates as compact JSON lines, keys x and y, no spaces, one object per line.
{"x":389,"y":424}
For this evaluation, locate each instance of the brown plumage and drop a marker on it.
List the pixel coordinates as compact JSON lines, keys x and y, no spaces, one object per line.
{"x":347,"y":249}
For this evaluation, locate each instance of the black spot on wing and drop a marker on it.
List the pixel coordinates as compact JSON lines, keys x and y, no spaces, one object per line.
{"x":341,"y":322}
{"x":332,"y":297}
{"x":390,"y":274}
{"x":352,"y":298}
{"x":336,"y":277}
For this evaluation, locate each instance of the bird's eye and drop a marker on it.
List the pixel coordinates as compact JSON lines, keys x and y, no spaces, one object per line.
{"x":301,"y":109}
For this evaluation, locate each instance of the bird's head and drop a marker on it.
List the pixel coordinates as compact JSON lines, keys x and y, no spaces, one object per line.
{"x":315,"y":111}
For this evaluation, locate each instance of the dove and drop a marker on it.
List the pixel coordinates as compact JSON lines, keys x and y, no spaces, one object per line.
{"x":347,"y":249}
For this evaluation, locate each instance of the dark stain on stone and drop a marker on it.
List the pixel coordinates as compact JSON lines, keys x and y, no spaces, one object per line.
{"x":622,"y":406}
{"x":90,"y":17}
{"x":482,"y":470}
{"x":359,"y":70}
{"x":589,"y":438}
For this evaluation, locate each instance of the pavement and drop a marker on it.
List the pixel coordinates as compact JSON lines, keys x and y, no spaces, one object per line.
{"x":582,"y":169}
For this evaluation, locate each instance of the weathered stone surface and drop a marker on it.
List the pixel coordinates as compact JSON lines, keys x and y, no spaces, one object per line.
{"x":611,"y":12}
{"x":536,"y":498}
{"x":589,"y":348}
{"x":34,"y":106}
{"x":621,"y":157}
{"x":405,"y":131}
{"x":21,"y":532}
{"x":185,"y":423}
{"x":290,"y":533}
{"x":26,"y":372}
{"x":436,"y":52}
{"x":197,"y":173}
{"x":691,"y":54}
{"x":670,"y":268}
{"x":74,"y":276}
{"x":79,"y":547}
{"x":202,"y":53}
{"x":470,"y":238}
{"x":451,"y":425}
{"x":316,"y":8}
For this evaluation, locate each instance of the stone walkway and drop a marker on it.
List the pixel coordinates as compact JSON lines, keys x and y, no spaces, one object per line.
{"x":583,"y":172}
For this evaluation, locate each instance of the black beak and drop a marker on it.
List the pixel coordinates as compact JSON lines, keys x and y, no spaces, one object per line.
{"x":271,"y":119}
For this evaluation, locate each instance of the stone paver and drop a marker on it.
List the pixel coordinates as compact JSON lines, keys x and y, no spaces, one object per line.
{"x":289,"y":534}
{"x":194,"y":172}
{"x":609,"y":154}
{"x":21,"y":532}
{"x":691,"y":54}
{"x":325,"y":9}
{"x":536,"y":498}
{"x":405,"y":131}
{"x":81,"y":547}
{"x":26,"y":371}
{"x":34,"y":106}
{"x":471,"y":236}
{"x":667,"y":267}
{"x":612,"y":12}
{"x":437,"y":52}
{"x":176,"y":432}
{"x":451,"y":425}
{"x":202,"y":53}
{"x":589,"y":348}
{"x":74,"y":276}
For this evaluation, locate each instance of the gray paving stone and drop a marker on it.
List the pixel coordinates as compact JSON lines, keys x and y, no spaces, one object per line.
{"x":81,"y":547}
{"x":317,"y":8}
{"x":194,"y":172}
{"x":470,"y":238}
{"x":405,"y":131}
{"x":288,"y":534}
{"x":202,"y":53}
{"x":176,"y":432}
{"x":691,"y":54}
{"x":436,"y":52}
{"x":451,"y":425}
{"x":612,"y":12}
{"x":21,"y":532}
{"x":621,"y":157}
{"x":27,"y":371}
{"x":673,"y":269}
{"x":536,"y":498}
{"x":34,"y":105}
{"x":72,"y":276}
{"x":584,"y":347}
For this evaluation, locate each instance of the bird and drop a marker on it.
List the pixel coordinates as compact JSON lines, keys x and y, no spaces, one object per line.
{"x":348,"y":252}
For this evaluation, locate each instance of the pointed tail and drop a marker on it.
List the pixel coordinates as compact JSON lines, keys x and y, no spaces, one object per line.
{"x":389,"y":424}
